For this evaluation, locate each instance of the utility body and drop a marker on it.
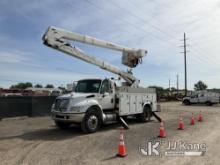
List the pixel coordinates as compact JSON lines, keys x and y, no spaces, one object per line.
{"x":100,"y":101}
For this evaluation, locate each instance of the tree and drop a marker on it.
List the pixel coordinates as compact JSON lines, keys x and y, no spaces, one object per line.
{"x":49,"y":86}
{"x":200,"y":86}
{"x":62,"y":88}
{"x":38,"y":86}
{"x":173,"y":89}
{"x":159,"y":90}
{"x":21,"y":85}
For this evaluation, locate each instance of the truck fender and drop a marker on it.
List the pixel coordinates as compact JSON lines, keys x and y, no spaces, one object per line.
{"x":147,"y":103}
{"x":94,"y":103}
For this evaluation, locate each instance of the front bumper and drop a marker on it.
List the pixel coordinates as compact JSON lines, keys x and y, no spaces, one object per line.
{"x":67,"y":117}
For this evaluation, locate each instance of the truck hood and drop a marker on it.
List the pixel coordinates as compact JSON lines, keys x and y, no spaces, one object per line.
{"x":187,"y":97}
{"x":77,"y":95}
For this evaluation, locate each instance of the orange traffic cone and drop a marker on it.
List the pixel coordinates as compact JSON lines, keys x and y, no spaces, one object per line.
{"x":200,"y":117}
{"x":181,"y":124}
{"x":121,"y":146}
{"x":162,"y":133}
{"x":192,"y":122}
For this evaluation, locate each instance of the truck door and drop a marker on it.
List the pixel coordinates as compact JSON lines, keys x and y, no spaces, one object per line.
{"x":194,"y":98}
{"x":107,"y":95}
{"x":202,"y":98}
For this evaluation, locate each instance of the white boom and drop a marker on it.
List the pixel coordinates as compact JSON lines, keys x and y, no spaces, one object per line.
{"x":57,"y":38}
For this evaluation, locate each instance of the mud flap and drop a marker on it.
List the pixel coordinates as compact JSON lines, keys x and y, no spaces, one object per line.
{"x":156,"y":116}
{"x":123,"y":123}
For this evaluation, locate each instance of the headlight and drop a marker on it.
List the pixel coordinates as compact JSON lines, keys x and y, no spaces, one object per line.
{"x":73,"y":108}
{"x":77,"y":108}
{"x":61,"y":103}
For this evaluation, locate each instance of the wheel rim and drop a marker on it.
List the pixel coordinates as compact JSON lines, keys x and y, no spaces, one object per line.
{"x":93,"y":122}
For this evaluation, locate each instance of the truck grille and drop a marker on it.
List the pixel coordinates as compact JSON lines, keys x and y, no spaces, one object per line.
{"x":61,"y":104}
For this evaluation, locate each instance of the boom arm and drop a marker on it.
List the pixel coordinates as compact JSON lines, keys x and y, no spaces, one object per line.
{"x":55,"y":38}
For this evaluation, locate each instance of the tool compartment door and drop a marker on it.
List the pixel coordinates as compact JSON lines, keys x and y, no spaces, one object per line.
{"x":139,"y":102}
{"x":130,"y":103}
{"x":124,"y":104}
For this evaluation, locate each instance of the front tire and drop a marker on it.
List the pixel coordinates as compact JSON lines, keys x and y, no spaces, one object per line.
{"x":208,"y":103}
{"x":91,"y":121}
{"x":186,"y":102}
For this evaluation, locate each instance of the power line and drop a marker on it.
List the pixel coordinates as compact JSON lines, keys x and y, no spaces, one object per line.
{"x":205,"y":60}
{"x":198,"y":59}
{"x":206,"y":38}
{"x":151,"y":15}
{"x":141,"y":19}
{"x":134,"y":25}
{"x":205,"y":54}
{"x":137,"y":27}
{"x":169,"y":27}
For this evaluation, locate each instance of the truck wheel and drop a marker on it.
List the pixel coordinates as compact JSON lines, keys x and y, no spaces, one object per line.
{"x":146,"y":115}
{"x":62,"y":125}
{"x":91,"y":121}
{"x":208,"y":103}
{"x":186,"y":102}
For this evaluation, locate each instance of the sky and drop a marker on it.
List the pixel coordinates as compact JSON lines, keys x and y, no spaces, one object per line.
{"x":155,"y":25}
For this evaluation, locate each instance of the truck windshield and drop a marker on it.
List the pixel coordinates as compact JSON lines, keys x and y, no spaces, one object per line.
{"x":88,"y":86}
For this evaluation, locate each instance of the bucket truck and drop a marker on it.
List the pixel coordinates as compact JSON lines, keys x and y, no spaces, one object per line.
{"x":100,"y":101}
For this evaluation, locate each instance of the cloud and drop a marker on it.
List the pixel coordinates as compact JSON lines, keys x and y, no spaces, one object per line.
{"x":14,"y":58}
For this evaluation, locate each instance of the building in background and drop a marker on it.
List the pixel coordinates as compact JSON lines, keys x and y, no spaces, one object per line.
{"x":70,"y":87}
{"x":30,"y":92}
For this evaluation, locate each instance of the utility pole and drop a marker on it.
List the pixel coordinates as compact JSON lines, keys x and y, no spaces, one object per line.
{"x":169,"y":85}
{"x":177,"y":84}
{"x":185,"y":62}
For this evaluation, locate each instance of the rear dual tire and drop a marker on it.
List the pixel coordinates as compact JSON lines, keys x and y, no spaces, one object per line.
{"x":208,"y":103}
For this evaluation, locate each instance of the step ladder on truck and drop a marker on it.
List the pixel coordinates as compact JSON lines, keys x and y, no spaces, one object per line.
{"x":100,"y":101}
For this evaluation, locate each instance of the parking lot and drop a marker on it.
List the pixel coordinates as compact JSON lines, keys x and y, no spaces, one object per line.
{"x":38,"y":141}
